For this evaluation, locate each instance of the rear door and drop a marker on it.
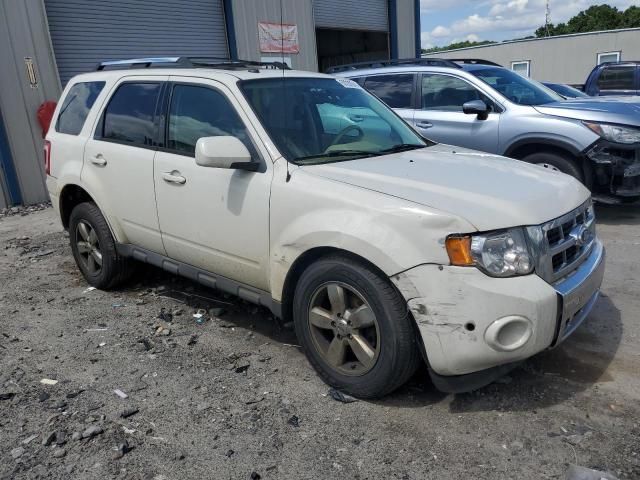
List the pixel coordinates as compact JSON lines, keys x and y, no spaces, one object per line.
{"x":397,"y":90}
{"x":441,"y":119}
{"x":118,"y":160}
{"x":618,"y":80}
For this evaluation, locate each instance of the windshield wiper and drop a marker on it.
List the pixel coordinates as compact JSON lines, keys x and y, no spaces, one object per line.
{"x":402,"y":147}
{"x":336,"y":153}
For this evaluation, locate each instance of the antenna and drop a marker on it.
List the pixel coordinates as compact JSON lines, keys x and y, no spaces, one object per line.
{"x":547,"y":19}
{"x":283,"y":79}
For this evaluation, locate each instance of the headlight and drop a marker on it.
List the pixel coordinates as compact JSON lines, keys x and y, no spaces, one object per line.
{"x":615,"y":133}
{"x":499,"y":254}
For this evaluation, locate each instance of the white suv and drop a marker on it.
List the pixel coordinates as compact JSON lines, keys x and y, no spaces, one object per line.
{"x":304,"y":193}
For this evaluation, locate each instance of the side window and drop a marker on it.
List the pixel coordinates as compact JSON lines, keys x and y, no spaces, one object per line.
{"x":447,"y":93}
{"x":394,"y":90}
{"x":76,"y":106}
{"x":617,"y":78}
{"x":197,"y":112}
{"x":130,"y":113}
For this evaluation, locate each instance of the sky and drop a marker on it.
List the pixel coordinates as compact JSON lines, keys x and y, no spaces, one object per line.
{"x":448,"y":21}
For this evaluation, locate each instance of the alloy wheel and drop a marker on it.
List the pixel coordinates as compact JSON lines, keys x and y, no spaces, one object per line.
{"x":344,"y":329}
{"x":88,"y":247}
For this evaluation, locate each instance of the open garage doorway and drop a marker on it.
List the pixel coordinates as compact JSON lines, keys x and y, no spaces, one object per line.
{"x":338,"y":47}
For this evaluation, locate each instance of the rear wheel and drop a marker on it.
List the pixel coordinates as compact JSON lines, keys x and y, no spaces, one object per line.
{"x":94,"y":248}
{"x":354,"y":327}
{"x":556,"y":162}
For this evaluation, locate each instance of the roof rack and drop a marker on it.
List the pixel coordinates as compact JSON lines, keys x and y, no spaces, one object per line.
{"x":475,"y":61}
{"x":189,"y":62}
{"x":430,"y":62}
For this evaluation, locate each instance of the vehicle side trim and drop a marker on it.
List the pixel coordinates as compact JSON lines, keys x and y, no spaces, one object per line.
{"x":208,"y":279}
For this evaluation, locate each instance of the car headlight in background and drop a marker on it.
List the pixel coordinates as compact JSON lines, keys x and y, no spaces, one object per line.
{"x":615,"y":133}
{"x":499,"y":254}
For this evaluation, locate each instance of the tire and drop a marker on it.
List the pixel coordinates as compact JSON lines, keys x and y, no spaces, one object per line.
{"x":555,"y":161}
{"x":392,"y":336}
{"x":88,"y":234}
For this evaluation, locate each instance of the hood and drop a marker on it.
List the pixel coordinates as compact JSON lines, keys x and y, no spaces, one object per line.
{"x":489,"y":191}
{"x":621,"y":110}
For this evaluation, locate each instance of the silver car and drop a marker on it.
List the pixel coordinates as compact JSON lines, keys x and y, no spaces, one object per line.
{"x":483,"y":106}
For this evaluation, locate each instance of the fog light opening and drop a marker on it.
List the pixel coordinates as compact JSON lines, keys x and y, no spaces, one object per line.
{"x":509,"y":333}
{"x":512,"y":334}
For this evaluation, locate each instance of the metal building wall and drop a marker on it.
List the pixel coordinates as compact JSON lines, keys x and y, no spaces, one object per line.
{"x":352,"y":14}
{"x":561,"y":59}
{"x":247,"y":14}
{"x":405,"y":14}
{"x":85,"y":32}
{"x":23,"y":33}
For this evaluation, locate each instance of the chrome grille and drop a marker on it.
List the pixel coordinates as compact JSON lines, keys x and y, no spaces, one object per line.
{"x":562,"y":244}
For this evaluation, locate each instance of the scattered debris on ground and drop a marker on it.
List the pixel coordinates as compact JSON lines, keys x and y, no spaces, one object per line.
{"x":233,"y":394}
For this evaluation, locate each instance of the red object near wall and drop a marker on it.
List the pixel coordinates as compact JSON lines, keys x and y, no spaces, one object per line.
{"x":45,"y":114}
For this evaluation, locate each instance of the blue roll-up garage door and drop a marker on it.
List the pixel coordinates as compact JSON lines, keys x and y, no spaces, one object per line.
{"x":86,"y":32}
{"x":352,"y":14}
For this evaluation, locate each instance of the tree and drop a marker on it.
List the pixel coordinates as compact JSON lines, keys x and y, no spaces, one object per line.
{"x":597,"y":17}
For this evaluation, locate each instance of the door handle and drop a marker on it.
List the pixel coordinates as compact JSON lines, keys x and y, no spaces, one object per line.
{"x":424,"y":124}
{"x":174,"y":177}
{"x":356,"y":118}
{"x":98,"y":160}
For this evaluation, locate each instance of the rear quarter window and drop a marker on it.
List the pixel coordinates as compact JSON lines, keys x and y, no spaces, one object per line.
{"x":76,"y":106}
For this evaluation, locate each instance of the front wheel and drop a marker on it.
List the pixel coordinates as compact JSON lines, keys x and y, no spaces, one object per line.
{"x":354,"y":327}
{"x":94,"y":248}
{"x":558,"y":163}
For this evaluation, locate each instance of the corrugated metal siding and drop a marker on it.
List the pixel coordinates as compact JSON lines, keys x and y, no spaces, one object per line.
{"x":352,"y":14}
{"x":23,"y":33}
{"x":86,"y":32}
{"x":247,"y":14}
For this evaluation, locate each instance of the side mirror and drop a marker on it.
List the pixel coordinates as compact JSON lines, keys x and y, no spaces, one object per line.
{"x":224,"y":152}
{"x":477,"y":107}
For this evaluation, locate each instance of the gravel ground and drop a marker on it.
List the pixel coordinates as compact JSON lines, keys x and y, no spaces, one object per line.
{"x":234,"y":397}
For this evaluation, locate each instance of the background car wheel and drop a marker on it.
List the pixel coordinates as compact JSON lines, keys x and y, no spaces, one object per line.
{"x":354,"y":327}
{"x":94,"y":248}
{"x":556,"y":162}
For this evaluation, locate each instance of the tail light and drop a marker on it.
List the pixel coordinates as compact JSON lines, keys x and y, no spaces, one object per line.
{"x":47,"y":157}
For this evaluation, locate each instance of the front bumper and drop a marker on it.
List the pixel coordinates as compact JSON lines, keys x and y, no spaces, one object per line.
{"x":460,"y":313}
{"x":616,"y":168}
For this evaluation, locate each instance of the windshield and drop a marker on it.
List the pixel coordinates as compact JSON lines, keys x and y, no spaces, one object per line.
{"x":515,"y":87}
{"x":322,"y":120}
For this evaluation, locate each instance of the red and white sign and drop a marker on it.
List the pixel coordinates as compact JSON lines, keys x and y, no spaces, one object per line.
{"x":278,"y":38}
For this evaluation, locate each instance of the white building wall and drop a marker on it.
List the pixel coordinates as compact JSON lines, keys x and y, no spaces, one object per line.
{"x":562,"y":59}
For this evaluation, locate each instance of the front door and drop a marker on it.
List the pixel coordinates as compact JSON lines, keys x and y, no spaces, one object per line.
{"x":118,"y":161}
{"x":213,"y":218}
{"x":442,"y":120}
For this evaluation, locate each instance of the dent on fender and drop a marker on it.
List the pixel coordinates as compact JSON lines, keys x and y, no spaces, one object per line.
{"x":433,"y":317}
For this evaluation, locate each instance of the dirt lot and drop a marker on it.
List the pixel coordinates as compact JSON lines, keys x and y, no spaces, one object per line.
{"x":233,"y":397}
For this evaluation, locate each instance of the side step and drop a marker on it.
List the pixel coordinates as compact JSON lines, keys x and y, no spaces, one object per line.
{"x":208,"y":279}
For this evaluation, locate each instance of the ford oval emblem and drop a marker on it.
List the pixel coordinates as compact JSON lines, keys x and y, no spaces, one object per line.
{"x":582,"y":236}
